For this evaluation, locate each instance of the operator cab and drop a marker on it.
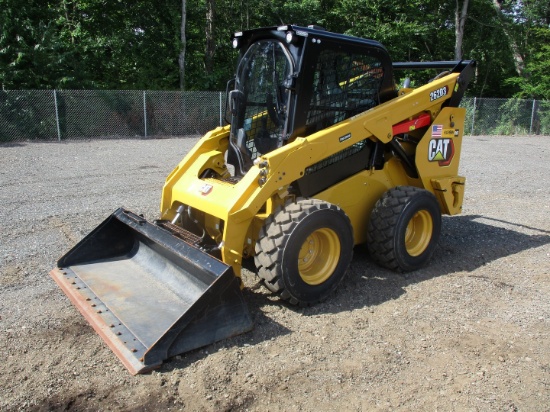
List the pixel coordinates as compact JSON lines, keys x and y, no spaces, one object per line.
{"x":294,"y":81}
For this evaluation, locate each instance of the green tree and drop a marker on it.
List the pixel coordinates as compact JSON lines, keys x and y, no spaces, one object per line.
{"x":528,"y":23}
{"x":88,"y":44}
{"x":115,"y":44}
{"x":535,"y":79}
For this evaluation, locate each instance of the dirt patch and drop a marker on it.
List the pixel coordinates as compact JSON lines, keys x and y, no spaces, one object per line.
{"x":12,"y":275}
{"x":468,"y":332}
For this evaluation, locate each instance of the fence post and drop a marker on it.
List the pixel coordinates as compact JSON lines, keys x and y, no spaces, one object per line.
{"x":532,"y":116}
{"x":145,"y":113}
{"x":56,"y":115}
{"x":474,"y":116}
{"x":221,"y":123}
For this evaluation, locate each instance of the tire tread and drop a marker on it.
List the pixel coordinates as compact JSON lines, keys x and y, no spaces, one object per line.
{"x":269,"y":249}
{"x":383,"y":222}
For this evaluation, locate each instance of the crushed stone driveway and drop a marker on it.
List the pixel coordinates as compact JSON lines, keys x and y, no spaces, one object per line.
{"x":468,"y":332}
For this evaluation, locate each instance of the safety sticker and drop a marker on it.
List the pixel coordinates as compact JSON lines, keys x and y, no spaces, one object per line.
{"x":441,"y":151}
{"x":205,"y":189}
{"x":449,"y":133}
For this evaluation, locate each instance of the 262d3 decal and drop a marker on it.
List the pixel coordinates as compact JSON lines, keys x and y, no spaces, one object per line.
{"x":437,"y":94}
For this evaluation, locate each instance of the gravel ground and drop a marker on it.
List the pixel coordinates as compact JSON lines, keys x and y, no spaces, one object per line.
{"x":469,"y":332}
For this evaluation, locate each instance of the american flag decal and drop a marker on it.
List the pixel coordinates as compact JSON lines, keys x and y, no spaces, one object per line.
{"x":437,"y":129}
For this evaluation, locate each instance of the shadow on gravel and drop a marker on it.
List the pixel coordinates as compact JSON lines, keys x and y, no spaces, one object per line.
{"x":264,"y":330}
{"x":13,"y":144}
{"x":467,"y":243}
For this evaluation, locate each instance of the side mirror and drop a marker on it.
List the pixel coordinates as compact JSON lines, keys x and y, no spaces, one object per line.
{"x":228,"y":111}
{"x":235,"y":101}
{"x":290,"y":82}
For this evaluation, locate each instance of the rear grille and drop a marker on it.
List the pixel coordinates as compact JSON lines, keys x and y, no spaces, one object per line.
{"x":228,"y":181}
{"x":180,"y":232}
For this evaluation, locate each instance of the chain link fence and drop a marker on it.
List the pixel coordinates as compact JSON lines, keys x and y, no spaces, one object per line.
{"x":105,"y":114}
{"x":506,"y":116}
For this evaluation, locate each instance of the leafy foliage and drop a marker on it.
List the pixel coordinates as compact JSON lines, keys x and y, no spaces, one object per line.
{"x":133,"y":44}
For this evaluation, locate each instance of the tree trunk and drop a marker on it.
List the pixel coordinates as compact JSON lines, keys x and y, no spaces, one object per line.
{"x":181,"y":58}
{"x":210,"y":40}
{"x":460,"y":21}
{"x":245,"y":19}
{"x":519,"y":62}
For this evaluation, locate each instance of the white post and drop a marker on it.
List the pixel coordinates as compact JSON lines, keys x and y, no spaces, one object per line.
{"x":145,"y":113}
{"x":56,"y":116}
{"x":221,"y":120}
{"x":532,"y":116}
{"x":474,"y":116}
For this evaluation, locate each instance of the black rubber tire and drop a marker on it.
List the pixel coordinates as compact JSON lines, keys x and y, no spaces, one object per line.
{"x":298,"y":274}
{"x":404,"y":228}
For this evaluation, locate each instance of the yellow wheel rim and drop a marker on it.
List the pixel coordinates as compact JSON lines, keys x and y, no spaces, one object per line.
{"x":319,"y":256}
{"x":419,"y":233}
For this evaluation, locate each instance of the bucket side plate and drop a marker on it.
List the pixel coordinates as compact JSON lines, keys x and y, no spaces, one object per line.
{"x":161,"y":298}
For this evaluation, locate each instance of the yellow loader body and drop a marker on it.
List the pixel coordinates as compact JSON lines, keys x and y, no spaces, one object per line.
{"x":242,"y":206}
{"x":322,"y":152}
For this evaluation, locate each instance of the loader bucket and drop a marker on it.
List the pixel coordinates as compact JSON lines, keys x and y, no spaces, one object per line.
{"x":149,"y":294}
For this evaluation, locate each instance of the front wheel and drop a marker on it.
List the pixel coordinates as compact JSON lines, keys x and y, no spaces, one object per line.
{"x":304,"y":250}
{"x":404,"y":228}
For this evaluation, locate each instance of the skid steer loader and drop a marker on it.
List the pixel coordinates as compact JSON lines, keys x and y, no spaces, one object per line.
{"x":322,"y":152}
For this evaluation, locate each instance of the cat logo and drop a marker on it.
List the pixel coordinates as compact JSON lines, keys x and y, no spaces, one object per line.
{"x":441,"y":151}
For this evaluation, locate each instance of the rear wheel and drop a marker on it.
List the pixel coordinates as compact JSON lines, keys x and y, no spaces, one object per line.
{"x":404,"y":228}
{"x":304,"y":250}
